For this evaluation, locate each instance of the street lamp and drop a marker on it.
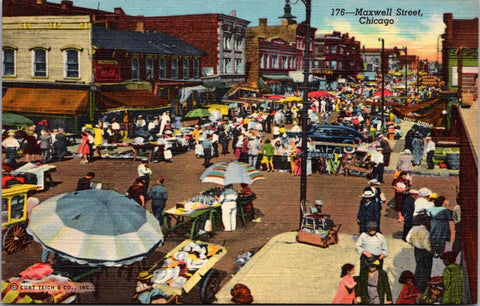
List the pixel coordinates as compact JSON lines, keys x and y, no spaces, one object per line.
{"x":382,"y":68}
{"x":306,"y":102}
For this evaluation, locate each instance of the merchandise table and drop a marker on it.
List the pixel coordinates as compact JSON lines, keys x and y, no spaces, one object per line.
{"x":184,"y":218}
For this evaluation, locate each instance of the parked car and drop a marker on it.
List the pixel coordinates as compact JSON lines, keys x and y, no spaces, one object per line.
{"x":332,"y":133}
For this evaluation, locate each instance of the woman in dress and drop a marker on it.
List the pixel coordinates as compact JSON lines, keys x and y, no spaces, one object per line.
{"x":84,"y":149}
{"x":401,"y":185}
{"x":346,"y":293}
{"x":441,"y":221}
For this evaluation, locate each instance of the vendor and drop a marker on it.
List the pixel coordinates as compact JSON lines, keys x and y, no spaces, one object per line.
{"x":247,"y":192}
{"x":228,"y":200}
{"x":147,"y":294}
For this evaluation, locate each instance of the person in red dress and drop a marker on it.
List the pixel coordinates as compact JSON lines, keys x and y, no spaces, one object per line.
{"x":409,"y":293}
{"x":401,"y":185}
{"x":84,"y":149}
{"x":346,"y":293}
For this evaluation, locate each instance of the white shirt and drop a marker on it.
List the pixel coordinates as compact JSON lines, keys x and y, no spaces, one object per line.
{"x":152,"y":125}
{"x":419,"y":237}
{"x":115,"y":126}
{"x":430,"y":146}
{"x":143,"y":170}
{"x":377,"y":158}
{"x":421,"y":203}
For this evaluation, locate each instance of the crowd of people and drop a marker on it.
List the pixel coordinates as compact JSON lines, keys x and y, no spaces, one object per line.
{"x":430,"y":225}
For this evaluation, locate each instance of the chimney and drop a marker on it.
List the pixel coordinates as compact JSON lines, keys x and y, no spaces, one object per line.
{"x":66,"y":4}
{"x":262,"y":22}
{"x":118,"y":11}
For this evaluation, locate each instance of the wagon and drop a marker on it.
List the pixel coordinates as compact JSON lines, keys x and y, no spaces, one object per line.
{"x":15,"y":217}
{"x":200,"y":274}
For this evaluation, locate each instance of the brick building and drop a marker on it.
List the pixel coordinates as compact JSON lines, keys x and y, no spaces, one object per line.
{"x":460,"y":54}
{"x":337,"y":56}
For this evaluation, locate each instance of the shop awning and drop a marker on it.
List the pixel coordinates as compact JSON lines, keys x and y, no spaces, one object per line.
{"x":45,"y":101}
{"x":276,"y":77}
{"x":129,"y":99}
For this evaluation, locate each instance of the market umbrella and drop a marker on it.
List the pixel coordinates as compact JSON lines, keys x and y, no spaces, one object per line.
{"x":198,"y":113}
{"x":234,"y":172}
{"x":291,"y":99}
{"x":275,"y":97}
{"x":11,"y":119}
{"x":95,"y":227}
{"x":385,"y":94}
{"x":320,"y":94}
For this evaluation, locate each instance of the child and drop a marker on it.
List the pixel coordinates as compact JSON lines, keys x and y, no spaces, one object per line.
{"x":345,"y":293}
{"x":409,"y":293}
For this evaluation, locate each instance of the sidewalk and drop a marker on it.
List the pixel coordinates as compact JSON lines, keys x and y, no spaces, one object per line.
{"x":398,"y":148}
{"x":287,"y":272}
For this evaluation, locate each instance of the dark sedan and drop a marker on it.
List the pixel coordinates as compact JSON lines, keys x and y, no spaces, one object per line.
{"x":332,"y":133}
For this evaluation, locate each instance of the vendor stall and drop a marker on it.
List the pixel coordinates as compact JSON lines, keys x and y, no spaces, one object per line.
{"x":187,"y":265}
{"x":192,"y":213}
{"x":35,"y":173}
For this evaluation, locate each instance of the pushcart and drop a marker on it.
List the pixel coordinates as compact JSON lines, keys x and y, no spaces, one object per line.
{"x":15,"y":217}
{"x":318,"y":229}
{"x":197,"y":273}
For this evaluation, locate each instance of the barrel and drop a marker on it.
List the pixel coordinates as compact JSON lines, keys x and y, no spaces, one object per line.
{"x":453,"y":161}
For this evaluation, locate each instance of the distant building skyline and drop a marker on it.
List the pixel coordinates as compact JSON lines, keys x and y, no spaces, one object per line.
{"x":415,"y":24}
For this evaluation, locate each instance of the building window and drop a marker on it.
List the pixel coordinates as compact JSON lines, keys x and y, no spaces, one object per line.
{"x":186,"y":68}
{"x":175,"y":68}
{"x":284,"y":62}
{"x":262,"y":61}
{"x":135,"y":69}
{"x":238,"y":65}
{"x":8,"y":62}
{"x":39,"y":63}
{"x":196,"y":68}
{"x":238,"y":43}
{"x":227,"y":42}
{"x":334,"y":49}
{"x":149,"y":68}
{"x":228,"y":66}
{"x":334,"y":65}
{"x":162,"y":68}
{"x":71,"y":63}
{"x":275,"y":61}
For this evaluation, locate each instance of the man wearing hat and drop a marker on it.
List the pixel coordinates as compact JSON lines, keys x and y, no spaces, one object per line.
{"x":407,"y":211}
{"x":377,"y":161}
{"x":405,"y":162}
{"x":387,"y":149}
{"x":371,"y":245}
{"x":422,"y":204}
{"x":140,"y":123}
{"x":369,"y":211}
{"x":373,"y":285}
{"x":374,"y":186}
{"x":430,"y":149}
{"x":207,"y":150}
{"x":419,"y":238}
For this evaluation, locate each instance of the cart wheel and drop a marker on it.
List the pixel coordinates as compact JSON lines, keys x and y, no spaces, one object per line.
{"x":210,"y":286}
{"x":15,"y":238}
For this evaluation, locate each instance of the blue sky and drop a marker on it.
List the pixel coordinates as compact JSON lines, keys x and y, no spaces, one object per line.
{"x":419,"y":33}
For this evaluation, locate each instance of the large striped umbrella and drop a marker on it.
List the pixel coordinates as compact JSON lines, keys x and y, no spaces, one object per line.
{"x":95,"y":227}
{"x":234,"y":172}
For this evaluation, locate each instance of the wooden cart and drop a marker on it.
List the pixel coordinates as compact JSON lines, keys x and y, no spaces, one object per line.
{"x":207,"y":278}
{"x":314,"y":231}
{"x":14,"y":216}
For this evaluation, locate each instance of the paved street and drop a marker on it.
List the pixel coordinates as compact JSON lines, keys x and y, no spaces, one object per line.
{"x":277,"y":205}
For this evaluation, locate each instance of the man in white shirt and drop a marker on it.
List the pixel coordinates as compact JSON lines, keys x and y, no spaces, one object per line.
{"x":140,"y":124}
{"x":144,"y":172}
{"x":430,"y":151}
{"x":419,"y":238}
{"x":116,"y":131}
{"x":377,"y":161}
{"x":422,"y":204}
{"x":163,"y":121}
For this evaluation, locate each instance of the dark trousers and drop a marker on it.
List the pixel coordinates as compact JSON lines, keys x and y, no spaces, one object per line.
{"x":157,"y":208}
{"x":377,"y":172}
{"x":386,"y":159}
{"x":430,"y":163}
{"x":215,"y":149}
{"x":407,"y":226}
{"x":224,"y":144}
{"x":423,"y":269}
{"x":147,"y":182}
{"x":207,"y":155}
